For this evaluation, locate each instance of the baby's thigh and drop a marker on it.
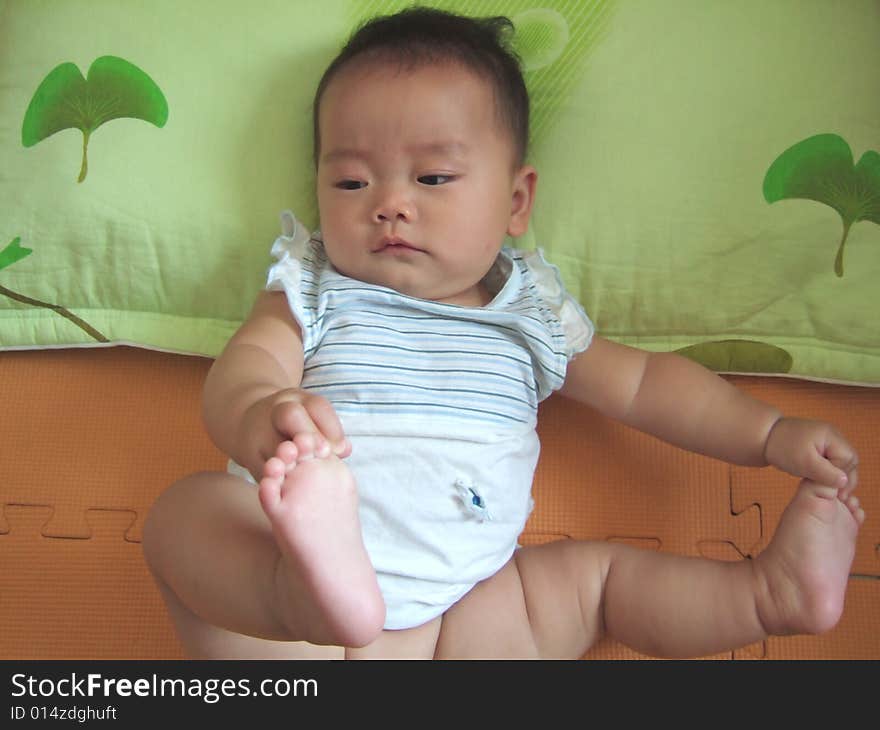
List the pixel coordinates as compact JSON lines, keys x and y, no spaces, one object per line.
{"x":544,"y":603}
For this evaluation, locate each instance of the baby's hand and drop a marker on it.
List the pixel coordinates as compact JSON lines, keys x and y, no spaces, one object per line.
{"x":812,"y":450}
{"x":281,"y":416}
{"x":298,"y":411}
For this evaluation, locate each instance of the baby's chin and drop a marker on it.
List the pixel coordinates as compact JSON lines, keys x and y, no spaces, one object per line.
{"x":418,"y":284}
{"x":474,"y":296}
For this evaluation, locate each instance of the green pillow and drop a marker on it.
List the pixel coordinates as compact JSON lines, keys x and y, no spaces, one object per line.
{"x":700,"y":165}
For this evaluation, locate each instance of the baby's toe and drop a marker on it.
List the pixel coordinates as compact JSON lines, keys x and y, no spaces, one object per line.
{"x":311,"y":446}
{"x":855,"y":507}
{"x":305,"y":443}
{"x":287,"y":452}
{"x":269,"y":492}
{"x":274,"y":468}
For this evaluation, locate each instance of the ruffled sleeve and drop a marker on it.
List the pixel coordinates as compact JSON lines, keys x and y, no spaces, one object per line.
{"x":576,"y":325}
{"x":296,"y":273}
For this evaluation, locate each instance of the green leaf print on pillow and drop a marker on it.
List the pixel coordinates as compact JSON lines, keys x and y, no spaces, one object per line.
{"x":13,"y":252}
{"x":114,"y":89}
{"x":739,"y":356}
{"x":821,"y":168}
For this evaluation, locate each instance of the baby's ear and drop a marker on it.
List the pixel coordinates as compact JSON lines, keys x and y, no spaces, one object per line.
{"x":525,"y":183}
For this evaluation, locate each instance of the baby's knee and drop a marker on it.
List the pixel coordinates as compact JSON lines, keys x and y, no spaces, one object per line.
{"x":164,"y":519}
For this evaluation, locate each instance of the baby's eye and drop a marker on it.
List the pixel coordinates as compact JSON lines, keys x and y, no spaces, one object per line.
{"x":435,"y":179}
{"x":350,"y":184}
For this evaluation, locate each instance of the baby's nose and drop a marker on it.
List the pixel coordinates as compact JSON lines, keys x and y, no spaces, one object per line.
{"x":394,"y":206}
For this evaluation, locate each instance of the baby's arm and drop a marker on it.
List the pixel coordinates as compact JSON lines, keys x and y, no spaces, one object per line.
{"x":686,"y":404}
{"x":252,"y":400}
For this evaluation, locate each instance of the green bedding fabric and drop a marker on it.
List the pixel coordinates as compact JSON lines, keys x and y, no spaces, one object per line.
{"x":709,"y":172}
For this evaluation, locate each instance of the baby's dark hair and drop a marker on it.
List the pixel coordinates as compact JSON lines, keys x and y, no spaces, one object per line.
{"x":419,"y":36}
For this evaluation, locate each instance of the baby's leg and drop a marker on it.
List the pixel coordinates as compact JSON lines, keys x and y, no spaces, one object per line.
{"x":310,"y":498}
{"x":203,"y":640}
{"x":679,"y":607}
{"x":215,"y":556}
{"x":558,"y":599}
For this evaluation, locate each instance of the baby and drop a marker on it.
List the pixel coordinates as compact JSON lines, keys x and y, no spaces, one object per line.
{"x":380,"y":401}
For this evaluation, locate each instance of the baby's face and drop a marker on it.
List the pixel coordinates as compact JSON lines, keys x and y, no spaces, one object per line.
{"x":417,"y":185}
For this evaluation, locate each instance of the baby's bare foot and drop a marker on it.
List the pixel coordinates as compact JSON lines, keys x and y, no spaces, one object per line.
{"x":325,"y":575}
{"x":803,"y":573}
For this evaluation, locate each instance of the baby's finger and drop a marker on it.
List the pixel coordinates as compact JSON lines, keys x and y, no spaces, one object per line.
{"x":324,"y":416}
{"x":291,"y":417}
{"x":822,"y":471}
{"x":852,"y":480}
{"x":843,"y":456}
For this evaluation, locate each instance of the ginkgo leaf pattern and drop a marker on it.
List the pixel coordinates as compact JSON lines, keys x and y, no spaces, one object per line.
{"x":739,"y":356}
{"x":821,"y":168}
{"x":114,"y":89}
{"x":14,"y":252}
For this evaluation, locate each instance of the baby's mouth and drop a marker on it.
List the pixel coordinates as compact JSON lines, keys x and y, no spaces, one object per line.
{"x":395,"y":244}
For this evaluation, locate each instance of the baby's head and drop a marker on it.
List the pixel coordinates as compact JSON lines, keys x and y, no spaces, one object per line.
{"x":426,"y":37}
{"x":421,"y":129}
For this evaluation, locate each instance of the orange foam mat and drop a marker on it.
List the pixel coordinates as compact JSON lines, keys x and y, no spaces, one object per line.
{"x":106,"y":428}
{"x":599,"y":480}
{"x":67,"y":598}
{"x":89,"y":438}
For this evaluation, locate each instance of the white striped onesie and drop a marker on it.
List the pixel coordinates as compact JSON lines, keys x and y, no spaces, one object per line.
{"x":440,"y":404}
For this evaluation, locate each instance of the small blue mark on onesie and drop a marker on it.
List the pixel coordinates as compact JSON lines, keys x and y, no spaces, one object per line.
{"x":474,"y":503}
